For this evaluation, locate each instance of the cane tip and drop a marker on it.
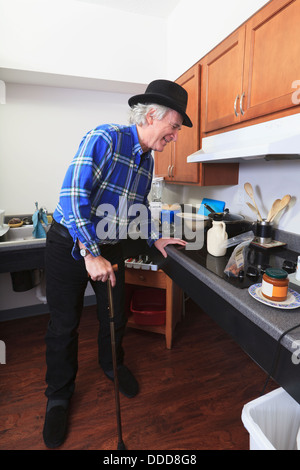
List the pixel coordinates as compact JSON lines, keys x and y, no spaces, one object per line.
{"x":121,"y":446}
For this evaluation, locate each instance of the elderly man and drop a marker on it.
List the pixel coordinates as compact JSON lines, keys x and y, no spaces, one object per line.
{"x":113,"y":166}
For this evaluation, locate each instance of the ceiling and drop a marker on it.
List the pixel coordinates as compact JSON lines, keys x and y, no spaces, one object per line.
{"x":158,"y":8}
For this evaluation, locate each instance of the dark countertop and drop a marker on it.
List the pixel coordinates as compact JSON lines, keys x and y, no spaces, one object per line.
{"x":272,"y":320}
{"x":37,"y":243}
{"x":22,"y":256}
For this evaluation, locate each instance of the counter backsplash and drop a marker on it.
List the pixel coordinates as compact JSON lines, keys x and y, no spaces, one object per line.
{"x":292,"y":239}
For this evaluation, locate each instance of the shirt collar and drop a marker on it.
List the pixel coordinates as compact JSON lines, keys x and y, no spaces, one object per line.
{"x":137,"y":149}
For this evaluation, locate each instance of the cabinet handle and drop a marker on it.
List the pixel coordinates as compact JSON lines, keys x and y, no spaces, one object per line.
{"x":169,"y":171}
{"x":235,"y":103}
{"x":241,"y":104}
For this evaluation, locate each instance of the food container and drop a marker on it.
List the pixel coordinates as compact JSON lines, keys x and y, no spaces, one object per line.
{"x":275,"y":284}
{"x":157,"y":188}
{"x":148,"y":306}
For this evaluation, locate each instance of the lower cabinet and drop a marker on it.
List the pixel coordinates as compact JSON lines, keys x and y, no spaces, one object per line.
{"x":174,"y":300}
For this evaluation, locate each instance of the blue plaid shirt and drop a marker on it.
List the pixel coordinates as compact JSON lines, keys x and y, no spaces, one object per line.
{"x":108,"y":175}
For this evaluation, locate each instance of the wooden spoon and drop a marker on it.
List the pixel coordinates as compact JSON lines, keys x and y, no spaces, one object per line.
{"x":249,"y":191}
{"x":273,"y":209}
{"x":252,"y":208}
{"x":283,"y":203}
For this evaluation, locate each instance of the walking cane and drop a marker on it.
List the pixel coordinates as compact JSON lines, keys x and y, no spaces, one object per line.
{"x":121,"y":445}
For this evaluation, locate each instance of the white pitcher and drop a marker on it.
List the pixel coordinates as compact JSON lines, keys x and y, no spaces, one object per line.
{"x":216,"y":237}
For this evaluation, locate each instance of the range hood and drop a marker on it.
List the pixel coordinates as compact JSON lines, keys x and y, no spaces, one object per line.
{"x":273,"y":140}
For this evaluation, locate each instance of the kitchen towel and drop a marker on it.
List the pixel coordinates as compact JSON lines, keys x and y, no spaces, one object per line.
{"x":38,"y":217}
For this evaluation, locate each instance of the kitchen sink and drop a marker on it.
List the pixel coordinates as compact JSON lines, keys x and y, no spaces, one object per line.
{"x":20,"y":236}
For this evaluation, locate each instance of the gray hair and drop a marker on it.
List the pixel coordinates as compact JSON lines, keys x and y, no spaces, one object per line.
{"x":138,"y":113}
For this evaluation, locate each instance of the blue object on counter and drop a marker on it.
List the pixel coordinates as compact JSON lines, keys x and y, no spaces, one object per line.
{"x":217,"y":206}
{"x":167,"y":215}
{"x":38,"y":217}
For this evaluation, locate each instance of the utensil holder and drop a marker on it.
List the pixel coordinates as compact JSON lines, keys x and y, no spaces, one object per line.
{"x":264,"y":231}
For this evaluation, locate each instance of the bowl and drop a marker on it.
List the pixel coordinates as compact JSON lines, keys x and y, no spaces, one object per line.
{"x":193,"y":222}
{"x":13,"y":223}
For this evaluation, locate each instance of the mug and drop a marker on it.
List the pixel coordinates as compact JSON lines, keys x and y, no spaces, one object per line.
{"x":264,"y":231}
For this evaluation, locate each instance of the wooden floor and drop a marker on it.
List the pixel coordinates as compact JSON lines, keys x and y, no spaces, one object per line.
{"x":191,"y":397}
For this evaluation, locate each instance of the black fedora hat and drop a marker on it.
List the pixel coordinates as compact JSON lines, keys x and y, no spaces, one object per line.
{"x":166,"y":93}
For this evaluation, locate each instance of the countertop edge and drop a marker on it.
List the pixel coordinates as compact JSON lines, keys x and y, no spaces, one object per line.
{"x":37,"y":243}
{"x":273,"y":321}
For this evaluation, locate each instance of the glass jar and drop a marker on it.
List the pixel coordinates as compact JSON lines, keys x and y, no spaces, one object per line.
{"x":275,"y":284}
{"x":157,"y":189}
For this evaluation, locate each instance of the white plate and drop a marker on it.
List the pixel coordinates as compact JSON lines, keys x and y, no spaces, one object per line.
{"x":193,"y":217}
{"x":3,"y":229}
{"x":292,"y":300}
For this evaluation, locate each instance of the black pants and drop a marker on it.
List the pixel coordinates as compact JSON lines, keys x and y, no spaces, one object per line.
{"x":66,"y":283}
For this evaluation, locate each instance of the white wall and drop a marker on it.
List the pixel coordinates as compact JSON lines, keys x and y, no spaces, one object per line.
{"x":41,"y":129}
{"x":196,"y":26}
{"x":82,"y":39}
{"x":270,"y":181}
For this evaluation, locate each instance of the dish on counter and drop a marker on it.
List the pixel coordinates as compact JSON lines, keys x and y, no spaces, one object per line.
{"x":292,"y":300}
{"x":192,"y":221}
{"x":3,"y":229}
{"x":15,"y":222}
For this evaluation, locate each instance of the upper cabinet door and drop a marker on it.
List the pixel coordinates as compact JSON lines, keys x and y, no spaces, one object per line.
{"x":222,"y":82}
{"x":188,"y":140}
{"x":272,"y":58}
{"x":163,"y":161}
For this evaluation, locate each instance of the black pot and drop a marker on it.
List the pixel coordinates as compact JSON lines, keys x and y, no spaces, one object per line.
{"x":235,"y":223}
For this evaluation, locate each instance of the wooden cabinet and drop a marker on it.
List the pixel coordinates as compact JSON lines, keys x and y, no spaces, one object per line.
{"x":272,"y":58}
{"x":223,"y":82}
{"x":172,"y":162}
{"x":189,"y":137}
{"x":163,"y":162}
{"x":174,"y":300}
{"x":251,"y":73}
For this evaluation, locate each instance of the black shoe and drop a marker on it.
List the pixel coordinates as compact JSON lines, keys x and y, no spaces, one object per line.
{"x":55,"y":427}
{"x":127,"y":382}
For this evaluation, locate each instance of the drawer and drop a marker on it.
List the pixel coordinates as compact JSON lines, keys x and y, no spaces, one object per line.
{"x":145,"y":278}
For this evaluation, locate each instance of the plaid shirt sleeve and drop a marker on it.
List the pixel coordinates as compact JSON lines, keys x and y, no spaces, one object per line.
{"x":106,"y":166}
{"x":75,"y":203}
